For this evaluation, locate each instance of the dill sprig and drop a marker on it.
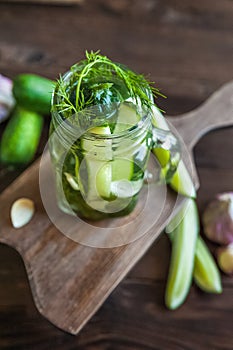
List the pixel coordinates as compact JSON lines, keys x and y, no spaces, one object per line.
{"x":97,"y":80}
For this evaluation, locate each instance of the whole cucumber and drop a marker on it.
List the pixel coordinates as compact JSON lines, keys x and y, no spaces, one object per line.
{"x":206,"y":274}
{"x":184,"y":229}
{"x":21,"y":137}
{"x":33,"y":92}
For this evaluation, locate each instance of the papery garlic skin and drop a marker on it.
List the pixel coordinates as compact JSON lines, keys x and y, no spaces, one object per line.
{"x":218,"y":219}
{"x":225,"y":259}
{"x":7,"y":101}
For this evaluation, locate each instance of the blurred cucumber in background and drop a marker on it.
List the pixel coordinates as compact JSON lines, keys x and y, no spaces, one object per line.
{"x":21,"y":137}
{"x":33,"y":92}
{"x":31,"y":98}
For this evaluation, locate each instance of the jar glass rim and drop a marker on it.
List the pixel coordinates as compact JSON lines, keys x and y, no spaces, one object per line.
{"x":75,"y":129}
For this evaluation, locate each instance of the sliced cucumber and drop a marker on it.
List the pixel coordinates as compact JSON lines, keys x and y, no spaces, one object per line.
{"x":99,"y":149}
{"x":163,"y":156}
{"x":122,"y":169}
{"x":127,"y":117}
{"x":206,"y":274}
{"x":101,"y":130}
{"x":182,"y":182}
{"x":99,"y":179}
{"x":99,"y":170}
{"x":125,"y":188}
{"x":103,"y":180}
{"x":158,"y":119}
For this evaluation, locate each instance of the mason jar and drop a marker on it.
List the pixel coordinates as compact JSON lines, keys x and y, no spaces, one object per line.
{"x":100,"y":168}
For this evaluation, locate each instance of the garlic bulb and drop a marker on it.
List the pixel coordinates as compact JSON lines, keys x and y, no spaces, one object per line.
{"x":218,"y":219}
{"x":6,"y":97}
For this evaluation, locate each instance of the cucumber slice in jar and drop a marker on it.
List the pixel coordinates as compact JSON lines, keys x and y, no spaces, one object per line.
{"x":123,"y":165}
{"x":97,"y":154}
{"x":99,"y":179}
{"x":122,"y":173}
{"x":101,"y":130}
{"x":122,"y":168}
{"x":127,"y":117}
{"x":99,"y":149}
{"x":125,"y":188}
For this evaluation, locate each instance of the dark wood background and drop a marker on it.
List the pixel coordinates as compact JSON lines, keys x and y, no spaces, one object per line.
{"x":187,"y":47}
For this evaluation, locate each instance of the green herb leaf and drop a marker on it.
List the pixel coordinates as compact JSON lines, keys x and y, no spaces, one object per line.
{"x":97,"y":80}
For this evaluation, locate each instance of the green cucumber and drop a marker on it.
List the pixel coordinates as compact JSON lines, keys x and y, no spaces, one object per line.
{"x":33,"y":92}
{"x":182,"y":183}
{"x":99,"y":149}
{"x":125,"y":188}
{"x":99,"y":179}
{"x":206,"y":274}
{"x":21,"y":137}
{"x":185,"y":228}
{"x":127,"y":117}
{"x":97,"y":153}
{"x":122,"y":169}
{"x":101,"y":130}
{"x":158,"y":119}
{"x":163,"y":156}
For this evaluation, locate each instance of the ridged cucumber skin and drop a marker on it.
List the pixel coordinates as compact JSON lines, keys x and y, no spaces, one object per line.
{"x":21,"y":137}
{"x":184,"y":239}
{"x":206,"y":274}
{"x":33,"y":92}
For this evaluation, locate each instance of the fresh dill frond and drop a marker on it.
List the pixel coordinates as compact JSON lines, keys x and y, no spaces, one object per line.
{"x":97,"y":80}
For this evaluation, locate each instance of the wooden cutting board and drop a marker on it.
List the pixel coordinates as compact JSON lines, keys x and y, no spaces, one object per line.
{"x":70,"y":281}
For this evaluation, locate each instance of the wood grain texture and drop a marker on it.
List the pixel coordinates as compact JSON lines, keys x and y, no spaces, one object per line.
{"x":183,"y":47}
{"x":51,"y":2}
{"x":216,"y":112}
{"x":70,"y":281}
{"x":187,"y":47}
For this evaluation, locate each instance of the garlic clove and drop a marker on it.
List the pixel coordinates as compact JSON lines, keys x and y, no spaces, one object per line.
{"x":22,"y":212}
{"x":225,"y":259}
{"x":72,"y":181}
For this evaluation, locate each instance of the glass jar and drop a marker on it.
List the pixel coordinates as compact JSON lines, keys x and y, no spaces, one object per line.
{"x":100,"y":167}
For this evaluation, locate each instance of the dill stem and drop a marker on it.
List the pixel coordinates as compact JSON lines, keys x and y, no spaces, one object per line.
{"x":83,"y":74}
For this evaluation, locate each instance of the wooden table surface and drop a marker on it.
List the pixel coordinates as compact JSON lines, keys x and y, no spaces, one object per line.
{"x":187,"y":47}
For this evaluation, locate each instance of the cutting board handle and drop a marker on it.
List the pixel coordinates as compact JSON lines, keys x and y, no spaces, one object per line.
{"x":216,"y":112}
